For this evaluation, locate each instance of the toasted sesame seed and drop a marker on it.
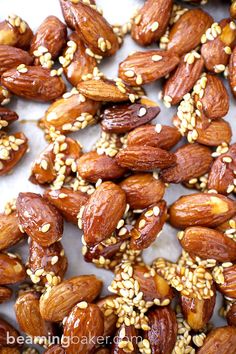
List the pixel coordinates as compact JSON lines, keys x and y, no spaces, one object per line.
{"x":45,"y":228}
{"x":154,"y":26}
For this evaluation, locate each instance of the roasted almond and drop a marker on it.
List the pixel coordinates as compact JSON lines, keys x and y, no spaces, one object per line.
{"x":228,"y":286}
{"x":186,"y":33}
{"x":6,"y":330}
{"x":110,"y":318}
{"x":151,"y":21}
{"x":57,"y":302}
{"x":233,"y":9}
{"x":193,"y":160}
{"x":125,"y":340}
{"x":148,"y":226}
{"x":9,"y":350}
{"x":231,"y":315}
{"x":55,"y":349}
{"x":12,"y":269}
{"x":201,"y":209}
{"x":208,"y":244}
{"x":218,"y":132}
{"x":10,"y":233}
{"x":102,"y":212}
{"x":84,"y":321}
{"x":33,"y":83}
{"x":7,"y":117}
{"x":5,"y":294}
{"x":221,"y":340}
{"x":12,"y":149}
{"x":11,"y":57}
{"x":183,"y":79}
{"x":232,"y":72}
{"x":51,"y":37}
{"x":145,"y":158}
{"x":102,"y":350}
{"x":39,"y":219}
{"x":125,"y":117}
{"x":163,"y":330}
{"x":161,"y":136}
{"x":142,"y":190}
{"x":67,"y":11}
{"x":67,"y":201}
{"x":29,"y":317}
{"x":144,"y":67}
{"x":92,"y":167}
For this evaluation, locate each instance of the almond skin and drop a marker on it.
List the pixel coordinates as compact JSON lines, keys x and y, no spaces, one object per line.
{"x":67,"y":11}
{"x":35,"y":84}
{"x":67,"y":201}
{"x":122,"y":118}
{"x":183,"y":79}
{"x":147,"y":135}
{"x":83,"y":323}
{"x":92,"y":166}
{"x":55,"y":349}
{"x":232,"y":72}
{"x":9,"y":350}
{"x":163,"y":330}
{"x":102,"y":213}
{"x":12,"y":269}
{"x":40,"y":220}
{"x":7,"y":329}
{"x":220,"y":340}
{"x":29,"y":317}
{"x":142,"y":190}
{"x":228,"y":288}
{"x":5,"y":294}
{"x":7,"y":117}
{"x":109,"y":320}
{"x":15,"y":35}
{"x":152,"y":12}
{"x":186,"y":33}
{"x":197,"y":312}
{"x":57,"y":302}
{"x":144,"y":67}
{"x":10,"y":233}
{"x":153,"y":218}
{"x":11,"y":57}
{"x":231,"y":315}
{"x":216,"y":133}
{"x":131,"y":334}
{"x":201,"y":209}
{"x":193,"y":160}
{"x":145,"y":158}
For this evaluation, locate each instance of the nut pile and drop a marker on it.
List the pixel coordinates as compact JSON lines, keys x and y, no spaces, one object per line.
{"x":115,"y":193}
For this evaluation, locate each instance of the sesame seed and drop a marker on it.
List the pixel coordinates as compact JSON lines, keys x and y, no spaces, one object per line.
{"x":154,"y":26}
{"x":156,"y":57}
{"x":142,"y":112}
{"x":45,"y":228}
{"x":82,"y":305}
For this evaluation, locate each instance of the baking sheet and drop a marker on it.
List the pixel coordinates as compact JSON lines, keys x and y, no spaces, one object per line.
{"x":116,"y":11}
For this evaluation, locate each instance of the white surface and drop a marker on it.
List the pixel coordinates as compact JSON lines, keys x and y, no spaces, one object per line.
{"x":116,"y":11}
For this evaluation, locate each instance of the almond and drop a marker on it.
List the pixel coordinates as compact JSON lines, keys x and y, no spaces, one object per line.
{"x":6,"y":329}
{"x":221,"y":177}
{"x":102,"y":351}
{"x":55,"y":349}
{"x":231,"y":315}
{"x":84,"y":321}
{"x":9,"y":350}
{"x":57,"y":302}
{"x":67,"y":201}
{"x":151,"y":21}
{"x":228,"y":288}
{"x":51,"y":35}
{"x":163,"y":330}
{"x":12,"y":149}
{"x":76,"y":62}
{"x":148,"y":226}
{"x":33,"y":83}
{"x":144,"y":67}
{"x":149,"y":135}
{"x":67,"y":11}
{"x":92,"y":167}
{"x":233,"y":9}
{"x":102,"y":213}
{"x":183,"y":79}
{"x":12,"y":269}
{"x":220,"y":340}
{"x":125,"y":117}
{"x":232,"y":72}
{"x":186,"y":33}
{"x":218,"y":132}
{"x":10,"y":233}
{"x":201,"y":209}
{"x":126,"y":340}
{"x":15,"y":32}
{"x":208,"y":244}
{"x":110,"y":319}
{"x":5,"y":294}
{"x":142,"y":190}
{"x":197,"y":312}
{"x":40,"y":220}
{"x":193,"y":160}
{"x":46,"y":263}
{"x":7,"y":117}
{"x":11,"y":57}
{"x":145,"y":158}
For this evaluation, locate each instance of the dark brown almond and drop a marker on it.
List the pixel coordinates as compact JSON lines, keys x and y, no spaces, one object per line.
{"x":12,"y":270}
{"x":67,"y":12}
{"x":11,"y":57}
{"x":7,"y":117}
{"x":228,"y":286}
{"x":110,"y":319}
{"x":231,"y":315}
{"x":193,"y":160}
{"x":163,"y":137}
{"x":128,"y":335}
{"x":15,"y":32}
{"x":33,"y":83}
{"x":148,"y":226}
{"x":144,"y":67}
{"x":201,"y":209}
{"x":220,"y":340}
{"x":102,"y":213}
{"x":57,"y":302}
{"x":10,"y":233}
{"x":183,"y":79}
{"x":186,"y":33}
{"x":39,"y":219}
{"x":55,"y":349}
{"x":92,"y":166}
{"x":208,"y":244}
{"x":5,"y":294}
{"x":142,"y":190}
{"x":6,"y":330}
{"x":218,"y":132}
{"x":67,"y":201}
{"x":232,"y":72}
{"x":145,"y":158}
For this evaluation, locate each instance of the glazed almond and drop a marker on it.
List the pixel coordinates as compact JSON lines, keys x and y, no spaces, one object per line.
{"x":126,"y":334}
{"x":11,"y":57}
{"x":220,"y":340}
{"x":12,"y":269}
{"x":10,"y":233}
{"x":55,"y":349}
{"x":109,"y":319}
{"x":231,"y":315}
{"x":6,"y":329}
{"x":218,"y":132}
{"x":39,"y":219}
{"x":232,"y":72}
{"x":7,"y":117}
{"x":5,"y":294}
{"x":228,"y":286}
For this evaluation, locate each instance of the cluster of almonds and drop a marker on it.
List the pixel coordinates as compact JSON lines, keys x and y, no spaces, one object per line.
{"x":115,"y":192}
